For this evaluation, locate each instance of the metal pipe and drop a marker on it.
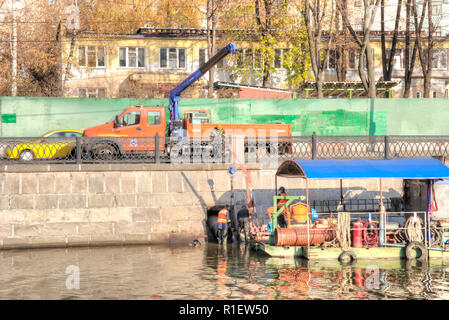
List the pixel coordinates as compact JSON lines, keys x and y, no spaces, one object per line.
{"x":341,"y":192}
{"x":438,"y":249}
{"x":394,"y":245}
{"x":404,"y":245}
{"x":307,"y":211}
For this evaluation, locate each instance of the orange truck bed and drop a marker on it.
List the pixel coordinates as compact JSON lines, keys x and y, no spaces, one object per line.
{"x":247,"y":130}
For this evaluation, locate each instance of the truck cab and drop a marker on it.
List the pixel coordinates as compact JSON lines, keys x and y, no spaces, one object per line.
{"x":134,"y":122}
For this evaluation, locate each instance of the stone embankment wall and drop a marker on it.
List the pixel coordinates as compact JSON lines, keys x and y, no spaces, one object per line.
{"x":85,"y":205}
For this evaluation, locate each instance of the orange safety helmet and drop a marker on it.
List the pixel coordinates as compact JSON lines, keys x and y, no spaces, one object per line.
{"x":219,"y":127}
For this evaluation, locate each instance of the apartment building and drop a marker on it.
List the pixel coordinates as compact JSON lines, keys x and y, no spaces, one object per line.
{"x":149,"y":63}
{"x":154,"y":60}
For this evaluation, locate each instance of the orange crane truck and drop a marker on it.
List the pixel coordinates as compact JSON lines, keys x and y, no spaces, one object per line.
{"x":134,"y":129}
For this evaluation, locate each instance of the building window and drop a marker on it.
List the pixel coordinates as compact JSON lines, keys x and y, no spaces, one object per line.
{"x":202,"y":53}
{"x":418,"y":94}
{"x":154,"y":118}
{"x":331,"y":62}
{"x":131,"y":57}
{"x":258,"y":59}
{"x":353,"y":59}
{"x":240,"y":56}
{"x":222,"y":63}
{"x":92,"y":92}
{"x":172,"y":58}
{"x":439,"y":60}
{"x":434,"y":94}
{"x":280,"y":58}
{"x":436,"y":9}
{"x":397,"y":59}
{"x":91,"y":56}
{"x":249,"y":58}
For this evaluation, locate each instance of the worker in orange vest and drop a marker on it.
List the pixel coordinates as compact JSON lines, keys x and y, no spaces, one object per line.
{"x":223,"y":223}
{"x":281,"y":218}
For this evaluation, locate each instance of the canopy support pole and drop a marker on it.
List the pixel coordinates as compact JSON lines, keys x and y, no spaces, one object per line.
{"x":341,"y":192}
{"x":382,"y":216}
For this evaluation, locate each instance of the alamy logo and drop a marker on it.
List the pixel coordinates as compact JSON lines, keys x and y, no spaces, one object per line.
{"x":73,"y":280}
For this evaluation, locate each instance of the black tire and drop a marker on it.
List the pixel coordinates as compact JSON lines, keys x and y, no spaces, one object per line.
{"x":26,"y":155}
{"x":72,"y":155}
{"x":347,"y":257}
{"x":104,"y":151}
{"x":416,"y":245}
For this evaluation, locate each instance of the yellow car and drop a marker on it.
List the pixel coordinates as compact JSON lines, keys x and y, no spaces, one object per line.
{"x":53,"y":144}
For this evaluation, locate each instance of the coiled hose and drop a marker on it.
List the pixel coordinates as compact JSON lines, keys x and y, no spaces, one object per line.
{"x":413,"y":229}
{"x":370,"y":234}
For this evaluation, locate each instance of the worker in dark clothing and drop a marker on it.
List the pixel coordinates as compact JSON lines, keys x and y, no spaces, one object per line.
{"x":243,"y":220}
{"x":281,"y":218}
{"x":223,"y":223}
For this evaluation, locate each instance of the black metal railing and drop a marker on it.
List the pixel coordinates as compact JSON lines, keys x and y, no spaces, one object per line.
{"x":205,"y":150}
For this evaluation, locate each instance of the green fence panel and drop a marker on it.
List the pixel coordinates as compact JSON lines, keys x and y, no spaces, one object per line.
{"x":33,"y":116}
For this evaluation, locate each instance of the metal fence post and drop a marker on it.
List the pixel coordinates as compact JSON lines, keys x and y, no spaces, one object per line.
{"x":156,"y":148}
{"x":387,"y":147}
{"x":314,"y":142}
{"x":78,"y":150}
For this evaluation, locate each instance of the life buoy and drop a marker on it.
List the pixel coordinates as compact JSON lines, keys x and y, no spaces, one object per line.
{"x":347,"y":257}
{"x":416,"y":245}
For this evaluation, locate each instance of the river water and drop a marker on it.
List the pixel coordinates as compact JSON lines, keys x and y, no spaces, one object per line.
{"x":208,"y":272}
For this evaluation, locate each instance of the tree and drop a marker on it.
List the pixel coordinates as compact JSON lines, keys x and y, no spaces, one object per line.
{"x":366,"y":65}
{"x":409,"y":61}
{"x":32,"y":69}
{"x":315,"y":16}
{"x":213,"y":12}
{"x":270,"y":41}
{"x":340,"y":43}
{"x":263,"y":10}
{"x":124,"y":17}
{"x":425,"y":55}
{"x":387,"y":61}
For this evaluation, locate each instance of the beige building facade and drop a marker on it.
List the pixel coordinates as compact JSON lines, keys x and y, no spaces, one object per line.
{"x":154,"y":60}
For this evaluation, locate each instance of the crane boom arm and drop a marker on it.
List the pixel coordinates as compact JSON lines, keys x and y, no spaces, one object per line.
{"x":175,"y":122}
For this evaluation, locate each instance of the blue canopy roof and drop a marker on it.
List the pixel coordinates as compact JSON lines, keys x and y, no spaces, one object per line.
{"x":418,"y":168}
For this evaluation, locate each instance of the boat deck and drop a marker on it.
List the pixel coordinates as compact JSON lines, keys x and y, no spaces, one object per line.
{"x":316,"y":253}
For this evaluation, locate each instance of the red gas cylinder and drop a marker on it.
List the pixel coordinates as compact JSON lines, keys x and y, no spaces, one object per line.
{"x":358,"y":278}
{"x":357,"y":228}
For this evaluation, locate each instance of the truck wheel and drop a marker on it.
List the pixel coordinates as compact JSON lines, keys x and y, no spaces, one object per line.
{"x":273,"y":150}
{"x":284,"y":148}
{"x":26,"y":155}
{"x":105,"y":151}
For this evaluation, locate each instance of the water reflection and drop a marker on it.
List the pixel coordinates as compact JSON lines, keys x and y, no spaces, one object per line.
{"x":210,"y":272}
